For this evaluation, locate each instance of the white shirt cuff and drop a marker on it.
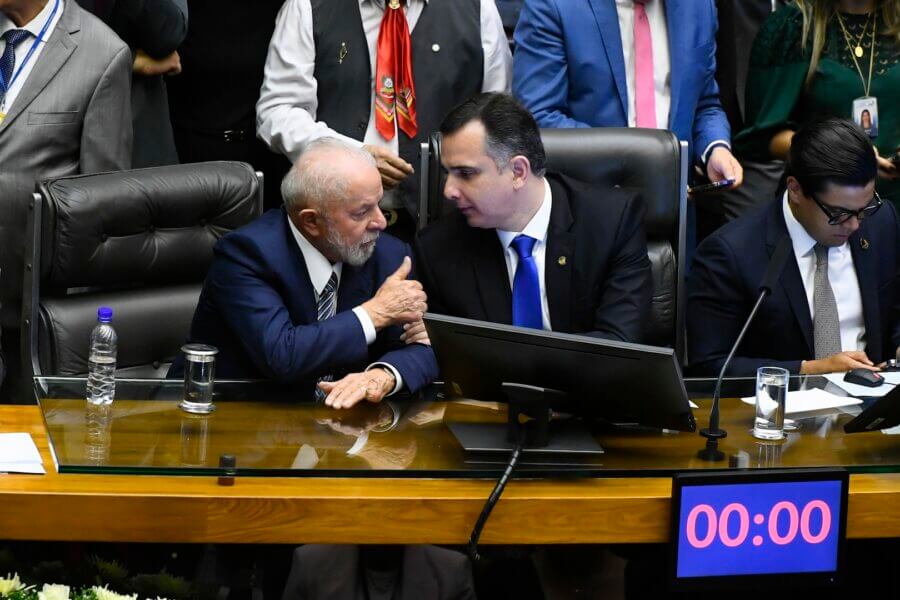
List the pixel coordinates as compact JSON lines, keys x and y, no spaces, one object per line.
{"x":366,"y":322}
{"x":713,"y":144}
{"x":398,"y":380}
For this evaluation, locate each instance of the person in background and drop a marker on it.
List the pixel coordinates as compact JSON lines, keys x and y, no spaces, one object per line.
{"x":213,"y":101}
{"x":836,"y":305}
{"x":153,"y":29}
{"x":628,"y":63}
{"x":380,"y":74}
{"x":64,"y":110}
{"x":818,"y":58}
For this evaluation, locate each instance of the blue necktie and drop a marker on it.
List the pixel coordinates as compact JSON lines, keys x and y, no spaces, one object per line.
{"x":8,"y":60}
{"x":526,"y":308}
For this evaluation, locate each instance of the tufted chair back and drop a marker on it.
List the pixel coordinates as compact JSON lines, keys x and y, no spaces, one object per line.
{"x":649,"y":161}
{"x":138,"y":241}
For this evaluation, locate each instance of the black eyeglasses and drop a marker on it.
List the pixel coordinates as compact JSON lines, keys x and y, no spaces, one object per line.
{"x":836,"y":216}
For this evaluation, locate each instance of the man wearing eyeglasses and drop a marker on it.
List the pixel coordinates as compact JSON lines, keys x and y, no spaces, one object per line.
{"x":836,"y":305}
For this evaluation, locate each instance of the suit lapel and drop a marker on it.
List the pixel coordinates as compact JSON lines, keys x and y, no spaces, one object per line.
{"x":790,"y":279}
{"x":59,"y":48}
{"x":355,"y":287}
{"x":491,"y":276}
{"x":864,"y":261}
{"x":303,"y":300}
{"x":677,"y":32}
{"x":611,"y":38}
{"x":558,"y":260}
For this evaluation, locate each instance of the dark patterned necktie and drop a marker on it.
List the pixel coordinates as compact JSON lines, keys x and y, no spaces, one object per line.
{"x":325,"y":309}
{"x":8,"y":61}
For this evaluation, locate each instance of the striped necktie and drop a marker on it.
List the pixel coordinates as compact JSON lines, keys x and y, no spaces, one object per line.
{"x":325,"y":310}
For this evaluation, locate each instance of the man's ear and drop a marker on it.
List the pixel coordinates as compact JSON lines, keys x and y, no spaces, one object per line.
{"x":309,"y":222}
{"x":521,"y":170}
{"x":794,"y":189}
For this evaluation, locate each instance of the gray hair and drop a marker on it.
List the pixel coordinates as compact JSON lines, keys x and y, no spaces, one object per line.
{"x":313,"y":182}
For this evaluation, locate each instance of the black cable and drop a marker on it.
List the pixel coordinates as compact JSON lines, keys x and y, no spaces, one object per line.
{"x":495,"y":497}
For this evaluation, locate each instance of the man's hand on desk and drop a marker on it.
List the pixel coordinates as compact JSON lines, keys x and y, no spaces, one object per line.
{"x":372,"y":385}
{"x":415,"y":333}
{"x":399,"y":300}
{"x":838,"y":363}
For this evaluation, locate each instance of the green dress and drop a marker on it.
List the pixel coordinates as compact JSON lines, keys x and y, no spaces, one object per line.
{"x":777,"y":98}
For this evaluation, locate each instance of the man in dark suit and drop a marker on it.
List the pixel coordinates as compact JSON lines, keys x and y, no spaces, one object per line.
{"x":837,"y":303}
{"x":529,"y":248}
{"x":312,"y":292}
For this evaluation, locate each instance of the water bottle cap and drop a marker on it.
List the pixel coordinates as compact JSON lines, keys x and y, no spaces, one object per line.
{"x":104,"y":314}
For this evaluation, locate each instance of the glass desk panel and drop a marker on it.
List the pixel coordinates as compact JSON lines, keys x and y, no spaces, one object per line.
{"x":272,"y":434}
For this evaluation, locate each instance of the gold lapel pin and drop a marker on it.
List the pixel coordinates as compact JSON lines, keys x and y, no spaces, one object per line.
{"x":561,"y":260}
{"x":864,"y":243}
{"x":342,"y":53}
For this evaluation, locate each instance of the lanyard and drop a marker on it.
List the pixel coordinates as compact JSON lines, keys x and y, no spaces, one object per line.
{"x":5,"y":87}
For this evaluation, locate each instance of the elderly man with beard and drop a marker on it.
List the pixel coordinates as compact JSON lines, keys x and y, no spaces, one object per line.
{"x":313,"y":294}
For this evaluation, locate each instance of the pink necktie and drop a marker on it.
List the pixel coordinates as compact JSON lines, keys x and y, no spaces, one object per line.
{"x":644,"y":98}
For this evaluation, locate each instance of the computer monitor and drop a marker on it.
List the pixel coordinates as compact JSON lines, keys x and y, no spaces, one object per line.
{"x":618,"y":382}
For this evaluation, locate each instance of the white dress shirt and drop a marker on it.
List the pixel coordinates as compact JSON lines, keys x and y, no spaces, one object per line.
{"x":286,"y":110}
{"x":841,"y":276}
{"x":34,"y":26}
{"x":536,"y":228}
{"x":320,"y":270}
{"x":662,"y":66}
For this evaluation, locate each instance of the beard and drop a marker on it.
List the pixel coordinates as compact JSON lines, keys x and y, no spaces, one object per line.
{"x":352,"y":254}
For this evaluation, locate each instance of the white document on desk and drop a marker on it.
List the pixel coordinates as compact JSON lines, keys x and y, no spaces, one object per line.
{"x":18,"y":454}
{"x":890,"y":380}
{"x":804,"y":401}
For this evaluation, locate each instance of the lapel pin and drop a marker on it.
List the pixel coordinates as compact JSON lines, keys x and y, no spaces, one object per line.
{"x":561,"y":260}
{"x":864,"y":243}
{"x":435,"y":47}
{"x":342,"y":53}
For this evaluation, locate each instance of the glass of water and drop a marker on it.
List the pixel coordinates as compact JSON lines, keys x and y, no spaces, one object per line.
{"x":771,"y":397}
{"x":199,"y":376}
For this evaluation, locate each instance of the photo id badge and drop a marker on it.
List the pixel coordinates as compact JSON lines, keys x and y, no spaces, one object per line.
{"x":865,"y":114}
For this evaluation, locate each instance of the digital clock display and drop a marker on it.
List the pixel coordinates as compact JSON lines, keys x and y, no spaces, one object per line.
{"x":757,"y":524}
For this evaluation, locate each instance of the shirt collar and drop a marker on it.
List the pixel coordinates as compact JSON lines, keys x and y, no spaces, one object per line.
{"x":803,"y":242}
{"x":319,"y":267}
{"x":35,"y":25}
{"x":538,"y":225}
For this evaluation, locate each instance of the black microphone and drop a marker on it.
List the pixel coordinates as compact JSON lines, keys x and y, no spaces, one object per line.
{"x":713,"y":433}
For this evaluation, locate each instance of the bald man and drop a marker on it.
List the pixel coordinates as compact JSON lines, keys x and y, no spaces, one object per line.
{"x":314,"y":294}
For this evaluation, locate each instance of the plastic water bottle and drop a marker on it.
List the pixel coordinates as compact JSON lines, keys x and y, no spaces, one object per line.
{"x":101,"y":383}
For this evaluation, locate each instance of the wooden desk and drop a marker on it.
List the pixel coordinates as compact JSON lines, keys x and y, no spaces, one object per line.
{"x":139,"y":508}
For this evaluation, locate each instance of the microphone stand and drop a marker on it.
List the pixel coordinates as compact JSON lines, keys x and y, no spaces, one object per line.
{"x":714,"y":433}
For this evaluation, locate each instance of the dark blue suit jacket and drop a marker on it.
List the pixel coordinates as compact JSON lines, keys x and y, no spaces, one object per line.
{"x":596,"y":271}
{"x":724,"y":284}
{"x":258,"y":307}
{"x":569,"y":69}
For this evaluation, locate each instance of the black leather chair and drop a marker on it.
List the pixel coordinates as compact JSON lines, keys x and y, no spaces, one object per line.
{"x":652,"y":162}
{"x":138,"y":241}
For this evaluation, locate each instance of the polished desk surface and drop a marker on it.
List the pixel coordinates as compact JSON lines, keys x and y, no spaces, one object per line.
{"x":396,"y":492}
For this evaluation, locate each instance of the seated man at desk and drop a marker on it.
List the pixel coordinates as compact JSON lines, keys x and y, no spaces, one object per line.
{"x":527,"y":247}
{"x":314,"y":294}
{"x":836,"y":305}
